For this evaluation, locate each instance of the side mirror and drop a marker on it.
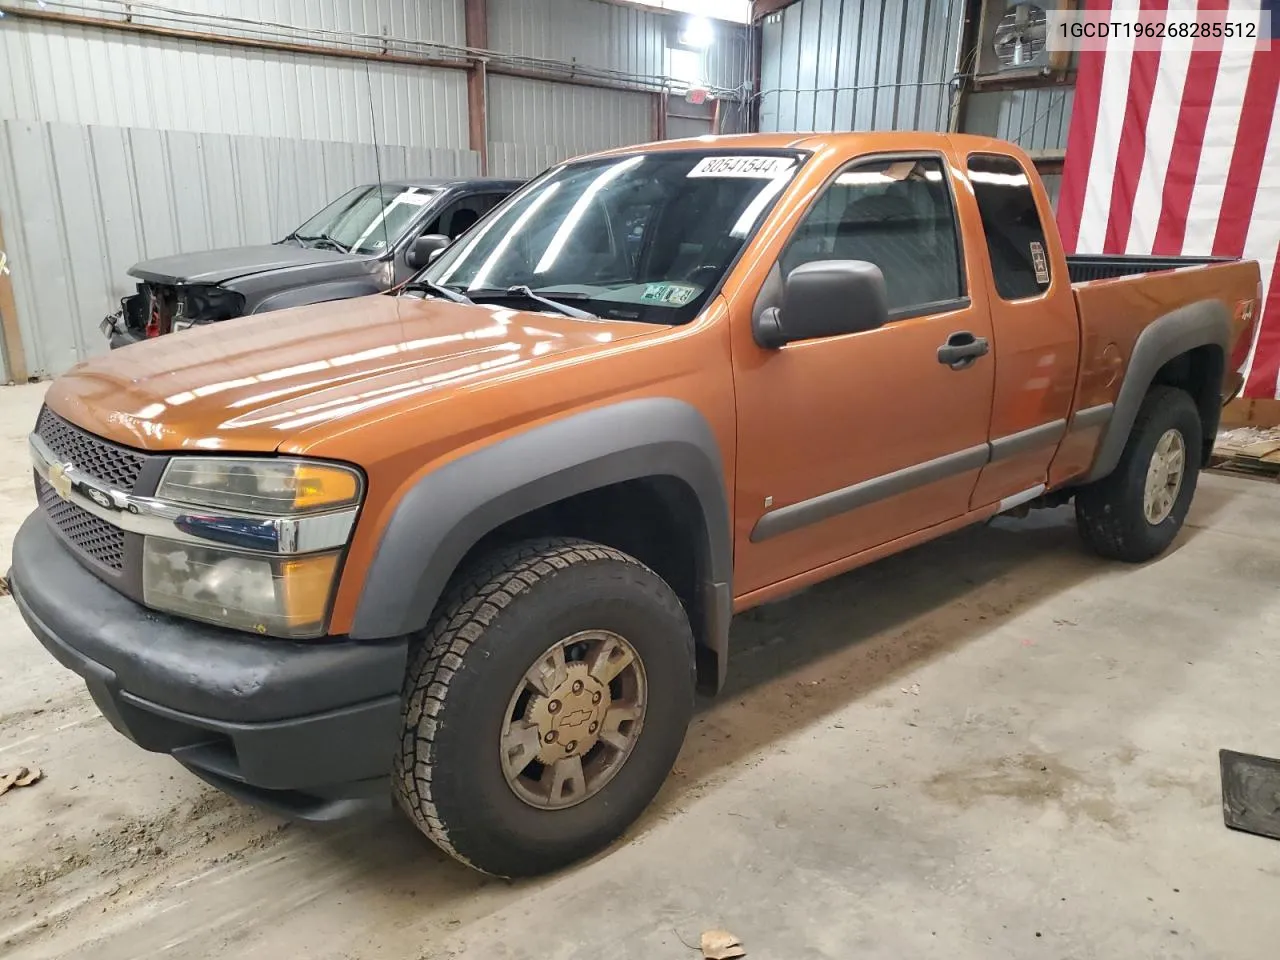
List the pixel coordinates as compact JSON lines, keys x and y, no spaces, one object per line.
{"x":825,"y":298}
{"x":425,"y":249}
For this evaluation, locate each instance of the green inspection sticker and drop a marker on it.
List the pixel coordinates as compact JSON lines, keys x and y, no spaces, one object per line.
{"x":672,"y":294}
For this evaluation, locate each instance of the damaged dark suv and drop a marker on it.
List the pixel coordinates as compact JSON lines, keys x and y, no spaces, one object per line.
{"x":368,"y":240}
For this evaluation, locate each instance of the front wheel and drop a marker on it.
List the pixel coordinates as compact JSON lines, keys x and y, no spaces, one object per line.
{"x":546,"y":706}
{"x":1134,"y":513}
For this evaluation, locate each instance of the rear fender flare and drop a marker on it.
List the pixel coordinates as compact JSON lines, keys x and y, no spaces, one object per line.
{"x":447,"y":512}
{"x":1204,"y":323}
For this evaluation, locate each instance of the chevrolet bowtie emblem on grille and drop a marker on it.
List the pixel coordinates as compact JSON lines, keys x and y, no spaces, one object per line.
{"x":59,"y":480}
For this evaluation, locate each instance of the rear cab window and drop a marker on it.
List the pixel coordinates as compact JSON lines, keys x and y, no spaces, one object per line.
{"x":897,"y":213}
{"x":1012,"y":225}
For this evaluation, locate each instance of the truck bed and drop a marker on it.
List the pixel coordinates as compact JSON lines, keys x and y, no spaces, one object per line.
{"x":1090,"y":266}
{"x":1112,"y":315}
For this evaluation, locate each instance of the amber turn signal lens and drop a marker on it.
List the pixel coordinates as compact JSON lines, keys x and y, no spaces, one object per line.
{"x":305,"y":585}
{"x":322,"y":486}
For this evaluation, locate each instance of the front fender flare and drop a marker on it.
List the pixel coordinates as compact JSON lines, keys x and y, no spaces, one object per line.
{"x":445,"y":513}
{"x":1204,"y":323}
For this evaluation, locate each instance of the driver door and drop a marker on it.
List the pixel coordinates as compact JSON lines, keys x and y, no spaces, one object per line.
{"x":850,"y":442}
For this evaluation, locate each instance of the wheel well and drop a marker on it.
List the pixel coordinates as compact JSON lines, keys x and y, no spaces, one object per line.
{"x":658,"y":520}
{"x":1199,"y":372}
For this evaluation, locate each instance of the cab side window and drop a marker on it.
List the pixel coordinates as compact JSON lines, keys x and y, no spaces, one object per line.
{"x":461,"y":215}
{"x":1015,"y":235}
{"x":896,"y":214}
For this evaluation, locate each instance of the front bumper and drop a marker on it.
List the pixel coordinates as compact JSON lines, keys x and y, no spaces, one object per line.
{"x":307,"y":729}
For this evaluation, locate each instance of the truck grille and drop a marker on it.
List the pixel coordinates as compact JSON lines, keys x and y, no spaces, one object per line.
{"x":95,"y":538}
{"x":107,"y":462}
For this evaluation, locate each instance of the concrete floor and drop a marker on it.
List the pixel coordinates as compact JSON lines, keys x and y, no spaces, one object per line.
{"x":991,"y":746}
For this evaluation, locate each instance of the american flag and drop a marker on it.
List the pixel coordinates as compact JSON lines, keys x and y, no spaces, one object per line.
{"x":1176,"y":151}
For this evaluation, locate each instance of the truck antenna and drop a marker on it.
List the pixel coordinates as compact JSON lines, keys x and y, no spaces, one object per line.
{"x":377,"y":157}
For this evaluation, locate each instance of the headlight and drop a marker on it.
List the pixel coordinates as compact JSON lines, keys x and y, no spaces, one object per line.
{"x":262,"y":552}
{"x":272,"y":595}
{"x":206,"y":304}
{"x":276,"y":488}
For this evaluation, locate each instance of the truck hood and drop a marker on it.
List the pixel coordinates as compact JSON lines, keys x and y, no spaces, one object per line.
{"x":218,"y":266}
{"x":255,"y":383}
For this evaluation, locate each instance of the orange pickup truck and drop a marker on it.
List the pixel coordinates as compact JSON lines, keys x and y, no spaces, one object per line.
{"x":473,"y":545}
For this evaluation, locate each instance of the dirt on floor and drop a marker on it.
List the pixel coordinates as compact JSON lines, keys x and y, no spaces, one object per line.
{"x":994,"y":745}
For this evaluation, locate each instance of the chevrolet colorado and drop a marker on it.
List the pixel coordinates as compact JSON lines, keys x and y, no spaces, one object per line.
{"x":474,"y":545}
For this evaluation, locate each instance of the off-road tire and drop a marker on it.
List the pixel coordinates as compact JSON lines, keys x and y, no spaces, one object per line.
{"x":493,"y":626}
{"x":1109,"y":511}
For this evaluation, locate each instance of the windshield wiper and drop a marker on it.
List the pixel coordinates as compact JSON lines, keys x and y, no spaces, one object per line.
{"x":439,"y":289}
{"x":527,"y":293}
{"x":321,"y":240}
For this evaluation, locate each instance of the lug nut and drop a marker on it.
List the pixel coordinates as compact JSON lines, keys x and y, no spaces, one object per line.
{"x":553,"y":706}
{"x":595,"y":697}
{"x":593,"y":728}
{"x":571,"y":746}
{"x":550,"y":737}
{"x":577,"y":686}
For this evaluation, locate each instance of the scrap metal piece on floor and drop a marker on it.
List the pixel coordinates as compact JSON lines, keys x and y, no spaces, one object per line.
{"x":1251,"y":793}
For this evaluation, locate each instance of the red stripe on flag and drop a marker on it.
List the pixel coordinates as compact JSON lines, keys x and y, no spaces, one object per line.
{"x":1266,"y":356}
{"x":1250,"y":149}
{"x":1084,"y":126}
{"x":1133,"y":140}
{"x":1188,"y":139}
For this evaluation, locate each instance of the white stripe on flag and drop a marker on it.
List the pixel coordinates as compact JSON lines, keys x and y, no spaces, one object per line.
{"x":1162,"y":123}
{"x":1263,"y":238}
{"x":1113,"y":99}
{"x":1219,"y":145}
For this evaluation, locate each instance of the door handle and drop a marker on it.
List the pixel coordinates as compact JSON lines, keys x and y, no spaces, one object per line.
{"x":962,"y":349}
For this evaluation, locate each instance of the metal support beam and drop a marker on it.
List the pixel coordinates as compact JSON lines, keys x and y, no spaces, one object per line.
{"x":177,"y":33}
{"x":1048,"y":161}
{"x":9,"y":329}
{"x":476,"y":21}
{"x":462,"y":62}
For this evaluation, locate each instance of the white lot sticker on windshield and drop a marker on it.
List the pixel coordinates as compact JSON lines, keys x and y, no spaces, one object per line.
{"x":755,"y":168}
{"x":413,"y":199}
{"x":671,"y":294}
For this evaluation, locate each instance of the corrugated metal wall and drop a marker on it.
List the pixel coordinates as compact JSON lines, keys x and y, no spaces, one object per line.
{"x":1035,"y":119}
{"x":81,"y":204}
{"x":424,"y":21}
{"x":888,"y":65}
{"x":117,"y":147}
{"x":72,"y":74}
{"x":533,"y":123}
{"x":859,"y":65}
{"x":623,"y":39}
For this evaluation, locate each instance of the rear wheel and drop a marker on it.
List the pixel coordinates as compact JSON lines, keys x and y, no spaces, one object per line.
{"x":1134,"y":513}
{"x":546,"y":706}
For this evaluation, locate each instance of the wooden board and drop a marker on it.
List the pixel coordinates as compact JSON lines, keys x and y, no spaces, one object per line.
{"x":1251,"y":413}
{"x":1250,"y":450}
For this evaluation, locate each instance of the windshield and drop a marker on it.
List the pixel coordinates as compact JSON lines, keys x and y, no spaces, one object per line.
{"x":645,"y":237}
{"x":365,"y":220}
